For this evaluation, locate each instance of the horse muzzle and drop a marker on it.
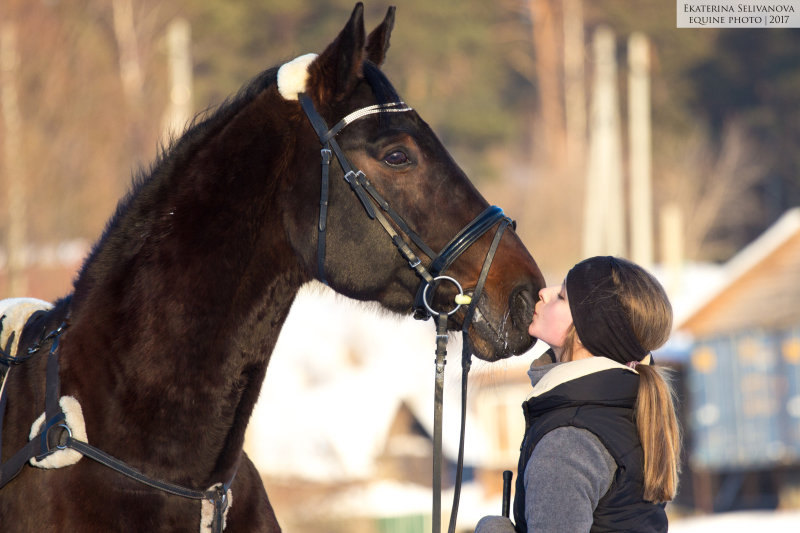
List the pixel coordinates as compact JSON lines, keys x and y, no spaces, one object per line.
{"x":498,"y":335}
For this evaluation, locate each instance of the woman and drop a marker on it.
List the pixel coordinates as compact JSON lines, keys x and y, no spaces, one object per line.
{"x":602,"y":444}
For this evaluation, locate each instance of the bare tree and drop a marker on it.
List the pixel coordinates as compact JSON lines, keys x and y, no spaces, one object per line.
{"x":546,"y":21}
{"x":14,"y":169}
{"x":714,"y":186}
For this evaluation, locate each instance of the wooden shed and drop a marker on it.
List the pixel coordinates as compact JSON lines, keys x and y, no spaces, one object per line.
{"x":761,"y":287}
{"x":743,"y":376}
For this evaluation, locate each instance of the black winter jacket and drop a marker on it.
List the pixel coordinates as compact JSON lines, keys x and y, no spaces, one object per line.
{"x":600,"y":401}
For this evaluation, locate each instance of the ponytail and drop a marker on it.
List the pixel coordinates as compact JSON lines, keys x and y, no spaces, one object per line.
{"x":650,"y":316}
{"x":659,"y":434}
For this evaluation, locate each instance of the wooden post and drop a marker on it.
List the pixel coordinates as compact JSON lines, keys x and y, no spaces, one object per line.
{"x":604,"y":218}
{"x":129,"y":66}
{"x":641,"y":196}
{"x":14,"y":165}
{"x":672,"y":247}
{"x":179,"y":111}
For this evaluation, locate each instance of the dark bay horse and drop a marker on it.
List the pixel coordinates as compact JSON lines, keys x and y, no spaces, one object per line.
{"x":166,"y":337}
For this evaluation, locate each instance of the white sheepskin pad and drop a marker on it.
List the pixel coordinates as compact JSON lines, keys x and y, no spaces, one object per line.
{"x":74,"y":421}
{"x":15,"y":312}
{"x":292,"y":76}
{"x":207,"y":511}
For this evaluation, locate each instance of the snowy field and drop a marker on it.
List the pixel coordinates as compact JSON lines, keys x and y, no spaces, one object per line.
{"x":741,"y":522}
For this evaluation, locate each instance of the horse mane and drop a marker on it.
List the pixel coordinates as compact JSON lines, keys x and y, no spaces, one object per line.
{"x":205,"y":124}
{"x":179,"y":150}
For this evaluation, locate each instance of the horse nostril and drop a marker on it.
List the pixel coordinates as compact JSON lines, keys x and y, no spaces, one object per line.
{"x":522,"y":304}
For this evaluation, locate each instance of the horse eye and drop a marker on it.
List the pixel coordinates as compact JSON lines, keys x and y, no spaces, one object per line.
{"x":396,"y":158}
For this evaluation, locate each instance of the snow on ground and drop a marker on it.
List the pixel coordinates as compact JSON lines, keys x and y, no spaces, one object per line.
{"x":393,"y":499}
{"x":334,"y":383}
{"x":740,"y":522}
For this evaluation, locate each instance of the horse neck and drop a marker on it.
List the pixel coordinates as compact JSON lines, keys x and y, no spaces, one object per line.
{"x":179,"y":309}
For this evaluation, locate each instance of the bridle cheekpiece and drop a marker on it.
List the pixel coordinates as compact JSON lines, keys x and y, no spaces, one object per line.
{"x":431,"y":275}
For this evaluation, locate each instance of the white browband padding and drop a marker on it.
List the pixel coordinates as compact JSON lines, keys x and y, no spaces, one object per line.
{"x":292,"y":76}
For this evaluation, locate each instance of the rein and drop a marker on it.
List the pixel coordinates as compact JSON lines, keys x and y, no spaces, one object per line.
{"x":48,"y":442}
{"x":430,"y":276}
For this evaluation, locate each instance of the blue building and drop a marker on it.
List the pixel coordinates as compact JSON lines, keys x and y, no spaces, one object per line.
{"x":743,"y":378}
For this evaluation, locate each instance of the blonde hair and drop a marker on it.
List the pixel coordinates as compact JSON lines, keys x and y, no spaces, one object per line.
{"x":649,"y":313}
{"x":570,"y":340}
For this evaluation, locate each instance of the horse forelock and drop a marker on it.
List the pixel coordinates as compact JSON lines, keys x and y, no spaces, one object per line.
{"x":382,"y":88}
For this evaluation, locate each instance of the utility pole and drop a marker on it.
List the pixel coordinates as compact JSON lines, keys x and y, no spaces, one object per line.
{"x":604,"y":216}
{"x":641,"y":195}
{"x":14,"y":166}
{"x":179,"y":111}
{"x":129,"y":65}
{"x":672,"y":246}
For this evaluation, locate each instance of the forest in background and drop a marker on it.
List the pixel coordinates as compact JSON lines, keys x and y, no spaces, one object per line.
{"x":92,"y":92}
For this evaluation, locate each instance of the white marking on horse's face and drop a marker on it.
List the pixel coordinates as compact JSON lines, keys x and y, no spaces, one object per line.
{"x":292,"y":76}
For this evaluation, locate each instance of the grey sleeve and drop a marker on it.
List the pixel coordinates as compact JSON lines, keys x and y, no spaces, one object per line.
{"x":566,"y":475}
{"x":494,"y":524}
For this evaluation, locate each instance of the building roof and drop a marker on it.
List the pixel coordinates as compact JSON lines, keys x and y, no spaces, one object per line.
{"x":760,"y":286}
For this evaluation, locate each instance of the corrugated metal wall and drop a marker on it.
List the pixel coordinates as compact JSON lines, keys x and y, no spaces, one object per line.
{"x":745,"y":400}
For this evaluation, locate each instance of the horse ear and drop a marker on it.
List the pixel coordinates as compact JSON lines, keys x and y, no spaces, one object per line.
{"x":378,"y":40}
{"x":338,"y":68}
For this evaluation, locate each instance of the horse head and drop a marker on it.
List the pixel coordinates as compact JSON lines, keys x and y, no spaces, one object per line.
{"x":174,"y":315}
{"x":404,"y":161}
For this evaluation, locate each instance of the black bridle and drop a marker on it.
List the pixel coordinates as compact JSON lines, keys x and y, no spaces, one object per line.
{"x":431,"y":275}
